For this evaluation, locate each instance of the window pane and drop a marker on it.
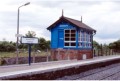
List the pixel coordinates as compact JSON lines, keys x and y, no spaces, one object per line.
{"x":84,"y":44}
{"x":80,"y":44}
{"x":67,"y":31}
{"x":66,"y":44}
{"x":72,"y":35}
{"x":66,"y":39}
{"x":73,"y":44}
{"x":90,"y":45}
{"x":72,"y":39}
{"x":67,"y":35}
{"x":72,"y":31}
{"x":79,"y":35}
{"x":79,"y":39}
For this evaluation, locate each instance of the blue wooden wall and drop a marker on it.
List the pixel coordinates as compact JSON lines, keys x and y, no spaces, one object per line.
{"x":57,"y":33}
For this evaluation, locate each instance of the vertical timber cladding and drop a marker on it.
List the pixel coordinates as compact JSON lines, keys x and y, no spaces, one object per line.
{"x":71,"y":39}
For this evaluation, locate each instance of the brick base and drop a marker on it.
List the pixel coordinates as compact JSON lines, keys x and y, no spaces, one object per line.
{"x":63,"y":54}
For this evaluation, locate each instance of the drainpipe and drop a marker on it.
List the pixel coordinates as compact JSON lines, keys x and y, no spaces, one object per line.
{"x":92,"y":43}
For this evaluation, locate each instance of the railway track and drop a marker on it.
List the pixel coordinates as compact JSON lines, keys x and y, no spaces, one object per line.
{"x":104,"y":73}
{"x":111,"y":76}
{"x":115,"y":76}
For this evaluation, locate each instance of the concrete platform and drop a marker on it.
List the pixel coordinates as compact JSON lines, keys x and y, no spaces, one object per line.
{"x":12,"y":71}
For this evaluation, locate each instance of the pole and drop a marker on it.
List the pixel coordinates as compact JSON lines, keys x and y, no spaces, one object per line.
{"x":17,"y":49}
{"x":29,"y":58}
{"x":17,"y":37}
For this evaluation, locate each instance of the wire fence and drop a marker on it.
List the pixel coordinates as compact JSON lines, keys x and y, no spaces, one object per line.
{"x":105,"y":52}
{"x":10,"y":58}
{"x":42,"y":56}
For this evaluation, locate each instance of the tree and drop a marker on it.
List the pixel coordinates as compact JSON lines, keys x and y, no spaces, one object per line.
{"x":6,"y":46}
{"x":115,"y":46}
{"x":42,"y":44}
{"x":30,"y":34}
{"x":96,"y":45}
{"x":48,"y":44}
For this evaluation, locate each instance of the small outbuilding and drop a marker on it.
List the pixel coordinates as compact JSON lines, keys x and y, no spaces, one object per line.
{"x":71,"y":39}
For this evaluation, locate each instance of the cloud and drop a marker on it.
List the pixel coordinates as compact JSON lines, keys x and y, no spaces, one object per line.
{"x":105,"y":41}
{"x":101,"y":15}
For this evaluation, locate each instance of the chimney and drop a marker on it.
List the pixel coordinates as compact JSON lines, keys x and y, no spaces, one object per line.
{"x":62,"y":12}
{"x":81,"y":18}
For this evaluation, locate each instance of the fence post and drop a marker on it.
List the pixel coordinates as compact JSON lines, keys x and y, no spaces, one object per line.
{"x":58,"y":54}
{"x":109,"y":51}
{"x":47,"y":55}
{"x":101,"y":50}
{"x":33,"y":57}
{"x":0,"y":61}
{"x":106,"y":52}
{"x":94,"y":53}
{"x":68,"y":55}
{"x":98,"y":53}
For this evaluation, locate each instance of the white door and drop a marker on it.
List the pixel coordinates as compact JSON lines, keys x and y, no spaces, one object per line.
{"x":84,"y":56}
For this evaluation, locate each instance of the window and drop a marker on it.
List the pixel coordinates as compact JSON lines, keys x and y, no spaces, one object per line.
{"x":70,"y":38}
{"x":80,"y":44}
{"x":89,"y":45}
{"x":84,"y":38}
{"x":80,"y":38}
{"x":89,"y":37}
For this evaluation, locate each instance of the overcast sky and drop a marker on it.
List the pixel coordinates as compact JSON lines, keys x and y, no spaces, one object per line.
{"x":104,"y":16}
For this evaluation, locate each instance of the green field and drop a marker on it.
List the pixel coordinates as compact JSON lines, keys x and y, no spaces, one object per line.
{"x":23,"y":54}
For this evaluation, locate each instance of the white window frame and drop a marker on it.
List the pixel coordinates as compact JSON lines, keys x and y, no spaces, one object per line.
{"x":69,"y":38}
{"x":89,"y":37}
{"x":84,"y":37}
{"x":80,"y":37}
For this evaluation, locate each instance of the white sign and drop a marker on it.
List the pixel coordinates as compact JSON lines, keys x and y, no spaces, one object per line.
{"x":18,"y":35}
{"x":63,"y":25}
{"x":30,"y":40}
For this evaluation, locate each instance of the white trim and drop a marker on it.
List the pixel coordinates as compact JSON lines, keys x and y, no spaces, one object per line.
{"x":84,"y":37}
{"x":70,"y":41}
{"x":69,"y":37}
{"x":69,"y":46}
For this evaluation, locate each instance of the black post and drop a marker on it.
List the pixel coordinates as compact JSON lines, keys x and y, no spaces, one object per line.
{"x":29,"y":49}
{"x":94,"y":53}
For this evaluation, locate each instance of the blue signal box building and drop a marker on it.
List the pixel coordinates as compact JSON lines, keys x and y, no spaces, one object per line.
{"x":71,"y":39}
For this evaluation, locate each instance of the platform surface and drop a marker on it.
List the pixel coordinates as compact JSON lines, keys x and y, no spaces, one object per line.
{"x":12,"y":70}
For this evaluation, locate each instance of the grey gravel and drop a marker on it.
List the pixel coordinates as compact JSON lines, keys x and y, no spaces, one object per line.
{"x":110,"y":72}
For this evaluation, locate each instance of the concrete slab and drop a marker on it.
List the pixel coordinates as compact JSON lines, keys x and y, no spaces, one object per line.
{"x":13,"y":70}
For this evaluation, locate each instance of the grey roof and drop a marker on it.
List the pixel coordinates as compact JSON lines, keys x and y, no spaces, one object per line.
{"x":77,"y":23}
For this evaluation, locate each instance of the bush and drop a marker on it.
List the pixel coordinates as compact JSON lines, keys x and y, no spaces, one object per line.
{"x":2,"y":61}
{"x":7,"y":47}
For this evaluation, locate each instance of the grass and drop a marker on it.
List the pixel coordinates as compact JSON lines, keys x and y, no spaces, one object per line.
{"x":23,"y":54}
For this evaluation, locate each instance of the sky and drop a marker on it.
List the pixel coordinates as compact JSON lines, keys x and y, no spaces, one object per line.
{"x":103,"y":16}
